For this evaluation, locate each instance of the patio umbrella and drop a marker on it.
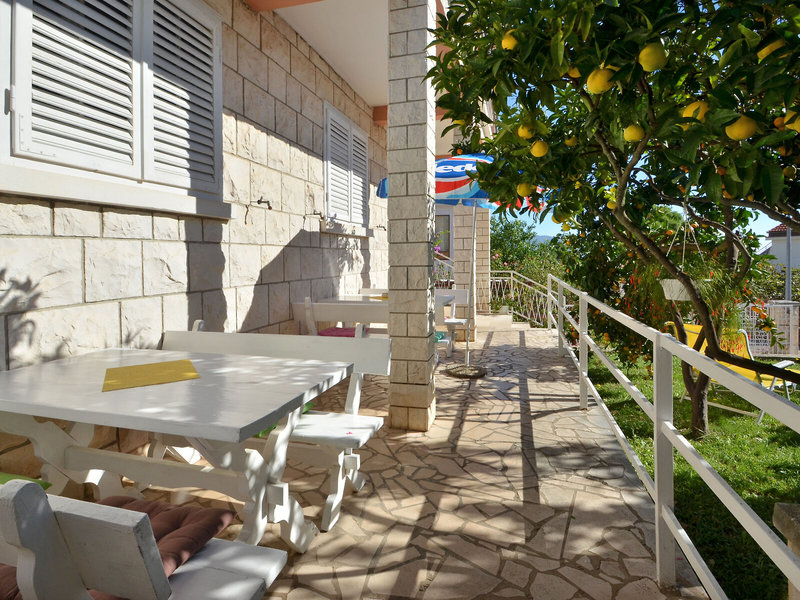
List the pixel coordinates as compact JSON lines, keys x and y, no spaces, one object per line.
{"x":454,"y":186}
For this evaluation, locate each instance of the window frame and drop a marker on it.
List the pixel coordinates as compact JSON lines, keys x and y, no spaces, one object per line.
{"x":336,"y":223}
{"x":24,"y":175}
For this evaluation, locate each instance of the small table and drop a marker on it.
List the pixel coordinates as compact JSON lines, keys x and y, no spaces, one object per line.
{"x":234,"y":398}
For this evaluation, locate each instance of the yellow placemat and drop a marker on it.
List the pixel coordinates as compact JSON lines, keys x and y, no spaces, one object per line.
{"x":122,"y":378}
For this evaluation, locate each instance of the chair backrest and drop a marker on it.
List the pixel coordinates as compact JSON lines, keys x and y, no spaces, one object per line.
{"x":369,"y":355}
{"x":334,"y":312}
{"x":64,"y":547}
{"x":734,"y":342}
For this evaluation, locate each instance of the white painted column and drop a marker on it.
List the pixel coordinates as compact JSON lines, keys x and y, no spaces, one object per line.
{"x":411,"y":159}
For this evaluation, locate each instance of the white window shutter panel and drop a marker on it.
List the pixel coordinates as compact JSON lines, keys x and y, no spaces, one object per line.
{"x":337,"y":166}
{"x":77,"y":79}
{"x":359,"y":190}
{"x":182,"y":141}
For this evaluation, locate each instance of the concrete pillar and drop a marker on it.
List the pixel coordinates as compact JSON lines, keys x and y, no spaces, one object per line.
{"x":411,"y":159}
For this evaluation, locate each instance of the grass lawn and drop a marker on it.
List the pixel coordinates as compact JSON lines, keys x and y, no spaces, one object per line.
{"x":761,"y":462}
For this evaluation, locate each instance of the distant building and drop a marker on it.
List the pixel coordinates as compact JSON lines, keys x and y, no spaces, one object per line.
{"x":776,"y":246}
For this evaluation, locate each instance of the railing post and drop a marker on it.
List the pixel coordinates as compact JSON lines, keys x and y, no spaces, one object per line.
{"x":664,"y":462}
{"x":561,"y":350}
{"x":583,"y":353}
{"x":550,"y":321}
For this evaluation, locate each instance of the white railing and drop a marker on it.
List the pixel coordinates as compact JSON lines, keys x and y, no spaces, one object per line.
{"x":667,"y":437}
{"x":786,"y":315}
{"x":443,"y":271}
{"x":525,"y":298}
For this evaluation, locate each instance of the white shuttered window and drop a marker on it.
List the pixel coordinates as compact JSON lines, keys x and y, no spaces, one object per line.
{"x":346,"y":169}
{"x":128,"y":88}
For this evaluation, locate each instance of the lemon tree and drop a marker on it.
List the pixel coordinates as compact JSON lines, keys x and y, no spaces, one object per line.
{"x":632,"y":106}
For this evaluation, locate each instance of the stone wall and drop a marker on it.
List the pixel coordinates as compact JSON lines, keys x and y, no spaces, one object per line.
{"x":76,"y":277}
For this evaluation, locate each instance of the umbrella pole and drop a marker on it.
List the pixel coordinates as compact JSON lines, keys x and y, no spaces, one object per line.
{"x":471,"y":293}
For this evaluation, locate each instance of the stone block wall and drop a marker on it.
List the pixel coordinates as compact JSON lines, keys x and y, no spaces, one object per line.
{"x":76,"y":277}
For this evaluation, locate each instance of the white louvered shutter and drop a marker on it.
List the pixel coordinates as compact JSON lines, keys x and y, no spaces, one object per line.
{"x":337,"y":166}
{"x":182,"y":133}
{"x":359,"y":181}
{"x":76,"y":82}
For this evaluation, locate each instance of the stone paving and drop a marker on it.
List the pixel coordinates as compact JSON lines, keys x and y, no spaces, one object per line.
{"x":514,"y":493}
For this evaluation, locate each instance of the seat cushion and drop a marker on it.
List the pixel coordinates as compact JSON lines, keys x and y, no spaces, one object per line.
{"x":180,"y":532}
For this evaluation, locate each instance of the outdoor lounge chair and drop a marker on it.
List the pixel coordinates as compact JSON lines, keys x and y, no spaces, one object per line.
{"x":737,"y":343}
{"x":58,"y":548}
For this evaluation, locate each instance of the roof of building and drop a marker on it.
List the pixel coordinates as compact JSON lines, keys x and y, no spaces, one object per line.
{"x":778,"y":231}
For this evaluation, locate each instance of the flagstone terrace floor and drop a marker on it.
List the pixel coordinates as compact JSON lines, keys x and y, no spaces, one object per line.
{"x":514,"y":493}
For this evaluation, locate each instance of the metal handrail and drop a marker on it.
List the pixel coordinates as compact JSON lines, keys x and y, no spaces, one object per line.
{"x":667,"y":437}
{"x":526,"y":298}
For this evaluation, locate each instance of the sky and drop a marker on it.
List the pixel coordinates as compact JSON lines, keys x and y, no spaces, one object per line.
{"x":760,"y":226}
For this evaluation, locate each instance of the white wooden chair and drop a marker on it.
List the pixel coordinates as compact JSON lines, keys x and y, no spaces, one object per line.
{"x":320,"y":438}
{"x":451,"y":321}
{"x":62,"y":547}
{"x":345,"y":313}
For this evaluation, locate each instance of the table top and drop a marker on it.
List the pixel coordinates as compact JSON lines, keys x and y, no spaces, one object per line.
{"x":235,"y":397}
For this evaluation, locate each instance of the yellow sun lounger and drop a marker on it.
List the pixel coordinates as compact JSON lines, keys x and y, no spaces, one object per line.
{"x":736,"y":343}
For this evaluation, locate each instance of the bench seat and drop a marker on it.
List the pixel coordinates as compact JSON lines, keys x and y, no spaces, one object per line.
{"x":341,"y":430}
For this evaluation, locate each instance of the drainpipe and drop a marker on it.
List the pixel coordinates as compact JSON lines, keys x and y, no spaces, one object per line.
{"x":788,"y":291}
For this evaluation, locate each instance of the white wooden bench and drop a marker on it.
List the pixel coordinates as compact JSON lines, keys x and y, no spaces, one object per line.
{"x":319,"y":438}
{"x":62,"y":547}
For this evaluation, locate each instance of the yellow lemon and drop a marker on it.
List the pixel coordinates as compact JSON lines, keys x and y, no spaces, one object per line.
{"x":539,"y":148}
{"x":574,"y":72}
{"x":509,"y":41}
{"x":793,"y":125}
{"x":599,"y":81}
{"x":769,"y":49}
{"x":633,"y":133}
{"x":571,"y":141}
{"x":789,"y":172}
{"x":524,"y":189}
{"x":653,"y":57}
{"x":611,"y":204}
{"x":696,"y":109}
{"x":556,"y":218}
{"x":565,"y":227}
{"x":524,"y":132}
{"x":741,"y":129}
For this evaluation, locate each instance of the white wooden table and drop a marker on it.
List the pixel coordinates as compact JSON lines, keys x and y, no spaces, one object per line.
{"x":361,"y":308}
{"x":234,"y":398}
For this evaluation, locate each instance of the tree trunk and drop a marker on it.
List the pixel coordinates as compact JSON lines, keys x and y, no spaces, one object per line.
{"x":696,"y":387}
{"x":698,"y":393}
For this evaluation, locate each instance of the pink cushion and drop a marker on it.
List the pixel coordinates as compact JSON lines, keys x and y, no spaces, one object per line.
{"x":340,"y":331}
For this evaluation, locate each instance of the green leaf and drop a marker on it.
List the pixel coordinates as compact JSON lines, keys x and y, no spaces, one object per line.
{"x":713,"y":187}
{"x":730,"y":52}
{"x":614,"y":3}
{"x":586,"y":22}
{"x":753,"y":39}
{"x":772,"y":182}
{"x":557,"y":48}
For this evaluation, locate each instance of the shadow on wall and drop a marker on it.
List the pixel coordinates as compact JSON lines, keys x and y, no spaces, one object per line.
{"x":312,"y":264}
